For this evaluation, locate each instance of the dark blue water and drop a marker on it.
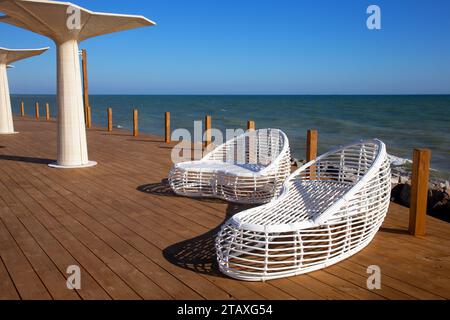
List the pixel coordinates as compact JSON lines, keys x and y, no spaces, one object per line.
{"x":402,"y":122}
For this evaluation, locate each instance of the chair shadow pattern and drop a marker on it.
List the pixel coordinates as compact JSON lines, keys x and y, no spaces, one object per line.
{"x":163,"y":189}
{"x":160,"y":189}
{"x":199,"y":253}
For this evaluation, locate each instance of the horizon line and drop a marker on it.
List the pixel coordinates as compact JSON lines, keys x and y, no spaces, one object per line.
{"x":244,"y":94}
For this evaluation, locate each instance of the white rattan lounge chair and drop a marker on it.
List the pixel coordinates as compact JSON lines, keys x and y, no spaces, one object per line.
{"x":329,"y":209}
{"x":250,"y":168}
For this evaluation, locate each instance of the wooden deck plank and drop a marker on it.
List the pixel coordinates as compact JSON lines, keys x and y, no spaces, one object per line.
{"x":134,"y":244}
{"x":7,"y":289}
{"x":406,"y":272}
{"x":49,"y":274}
{"x":82,"y":213}
{"x":325,"y":290}
{"x":241,"y":292}
{"x":210,"y":287}
{"x":115,"y":287}
{"x":345,"y":285}
{"x":296,"y":290}
{"x":22,"y":273}
{"x":391,"y":282}
{"x":361,"y":280}
{"x":52,"y":247}
{"x":141,"y":284}
{"x":108,"y":211}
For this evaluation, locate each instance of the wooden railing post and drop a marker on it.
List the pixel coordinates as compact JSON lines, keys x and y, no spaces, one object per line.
{"x":207,"y":131}
{"x":252,"y":153}
{"x":47,"y":112}
{"x":135,"y":123}
{"x":85,"y":87}
{"x":37,"y":110}
{"x":167,"y":127}
{"x":419,"y":191}
{"x":311,"y":151}
{"x":250,"y":125}
{"x":311,"y":145}
{"x":88,"y":119}
{"x":22,"y":109}
{"x":110,"y":123}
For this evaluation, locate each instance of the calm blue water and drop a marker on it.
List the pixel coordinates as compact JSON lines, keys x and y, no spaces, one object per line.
{"x":402,"y":122}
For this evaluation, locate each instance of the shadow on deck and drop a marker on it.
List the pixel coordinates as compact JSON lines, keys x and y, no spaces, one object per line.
{"x":26,"y":159}
{"x":199,"y":253}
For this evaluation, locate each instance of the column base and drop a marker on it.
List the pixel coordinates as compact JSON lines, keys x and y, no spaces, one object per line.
{"x":8,"y":133}
{"x":87,"y":165}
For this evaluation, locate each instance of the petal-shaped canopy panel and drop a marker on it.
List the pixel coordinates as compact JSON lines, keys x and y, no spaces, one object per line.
{"x":62,"y":21}
{"x":11,"y":55}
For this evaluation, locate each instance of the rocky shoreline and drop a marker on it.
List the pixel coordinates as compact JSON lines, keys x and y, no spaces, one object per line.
{"x":438,"y":190}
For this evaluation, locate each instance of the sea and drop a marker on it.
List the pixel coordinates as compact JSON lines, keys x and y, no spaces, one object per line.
{"x":403,"y":122}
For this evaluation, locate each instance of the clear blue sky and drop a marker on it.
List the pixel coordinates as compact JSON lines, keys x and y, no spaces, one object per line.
{"x":256,"y":47}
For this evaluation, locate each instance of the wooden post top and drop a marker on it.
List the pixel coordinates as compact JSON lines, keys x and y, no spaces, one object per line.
{"x":251,"y":125}
{"x":208,"y":137}
{"x":135,"y":123}
{"x":419,"y":192}
{"x":167,"y":127}
{"x":311,"y":145}
{"x":110,"y":125}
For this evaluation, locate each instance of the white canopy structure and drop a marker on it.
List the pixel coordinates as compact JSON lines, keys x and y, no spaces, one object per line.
{"x":8,"y":56}
{"x":67,"y":24}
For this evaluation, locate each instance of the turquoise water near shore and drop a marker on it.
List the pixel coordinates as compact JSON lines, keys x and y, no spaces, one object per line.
{"x":402,"y":122}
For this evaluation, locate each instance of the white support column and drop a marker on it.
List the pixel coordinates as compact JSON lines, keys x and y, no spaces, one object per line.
{"x":6,"y":119}
{"x":72,"y":144}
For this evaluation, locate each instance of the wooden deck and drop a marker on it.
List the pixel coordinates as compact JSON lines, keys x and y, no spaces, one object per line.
{"x":133,"y":239}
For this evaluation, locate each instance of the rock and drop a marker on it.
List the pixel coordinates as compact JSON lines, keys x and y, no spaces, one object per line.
{"x":395,"y":193}
{"x":297,"y":163}
{"x":405,"y":180}
{"x":404,"y":195}
{"x":439,"y":201}
{"x":394,"y":181}
{"x":445,"y":187}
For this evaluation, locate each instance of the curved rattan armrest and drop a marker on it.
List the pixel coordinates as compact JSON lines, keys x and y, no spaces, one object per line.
{"x":273,"y":164}
{"x":334,"y":208}
{"x":381,"y":155}
{"x":276,"y":162}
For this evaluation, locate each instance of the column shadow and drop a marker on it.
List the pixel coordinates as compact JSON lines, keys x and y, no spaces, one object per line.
{"x":26,"y":159}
